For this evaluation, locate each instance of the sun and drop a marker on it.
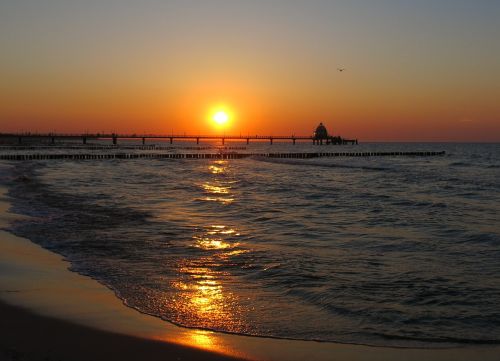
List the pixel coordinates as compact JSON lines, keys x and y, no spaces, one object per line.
{"x":220,"y":117}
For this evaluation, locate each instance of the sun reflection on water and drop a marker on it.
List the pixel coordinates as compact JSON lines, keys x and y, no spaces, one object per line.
{"x":217,"y":192}
{"x":212,"y":239}
{"x":209,"y":188}
{"x":217,"y":167}
{"x":208,"y":244}
{"x":219,"y":199}
{"x":203,"y":295}
{"x":202,"y":338}
{"x":206,"y":340}
{"x":218,"y":189}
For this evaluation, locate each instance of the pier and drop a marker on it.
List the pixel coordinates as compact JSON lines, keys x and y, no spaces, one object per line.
{"x":53,"y":138}
{"x":231,"y":155}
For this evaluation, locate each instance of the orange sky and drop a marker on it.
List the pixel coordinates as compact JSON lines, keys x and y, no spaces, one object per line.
{"x":419,"y":72}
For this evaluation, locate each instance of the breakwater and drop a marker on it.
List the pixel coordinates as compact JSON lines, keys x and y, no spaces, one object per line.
{"x":231,"y":155}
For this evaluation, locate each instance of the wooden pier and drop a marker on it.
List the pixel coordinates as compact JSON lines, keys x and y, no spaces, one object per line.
{"x":231,"y":155}
{"x":53,"y":138}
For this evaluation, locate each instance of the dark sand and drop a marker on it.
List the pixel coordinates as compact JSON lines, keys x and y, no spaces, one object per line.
{"x":26,"y":336}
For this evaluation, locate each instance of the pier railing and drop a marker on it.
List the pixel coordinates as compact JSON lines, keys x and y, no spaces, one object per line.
{"x":114,"y":137}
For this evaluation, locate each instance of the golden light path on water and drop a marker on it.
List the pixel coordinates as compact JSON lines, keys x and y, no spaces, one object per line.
{"x":218,"y":190}
{"x":202,"y":292}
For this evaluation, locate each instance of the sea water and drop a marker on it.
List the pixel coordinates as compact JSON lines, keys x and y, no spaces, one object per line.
{"x":381,"y":250}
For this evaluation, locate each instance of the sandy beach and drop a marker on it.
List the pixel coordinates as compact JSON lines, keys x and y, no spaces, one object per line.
{"x":51,"y":313}
{"x":27,"y":336}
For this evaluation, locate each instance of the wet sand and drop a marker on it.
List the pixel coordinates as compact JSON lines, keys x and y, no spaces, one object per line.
{"x":27,"y":336}
{"x":51,"y":313}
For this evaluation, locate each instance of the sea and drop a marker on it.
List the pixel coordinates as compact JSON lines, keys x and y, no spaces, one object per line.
{"x":386,"y":251}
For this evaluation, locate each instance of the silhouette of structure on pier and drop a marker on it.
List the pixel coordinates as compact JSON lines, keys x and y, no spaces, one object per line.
{"x":321,"y":134}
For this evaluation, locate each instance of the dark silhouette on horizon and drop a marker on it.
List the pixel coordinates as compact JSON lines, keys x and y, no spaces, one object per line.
{"x":51,"y":138}
{"x":321,"y":134}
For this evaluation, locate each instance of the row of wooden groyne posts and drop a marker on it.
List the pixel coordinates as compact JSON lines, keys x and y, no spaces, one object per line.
{"x":82,"y":156}
{"x":121,"y":148}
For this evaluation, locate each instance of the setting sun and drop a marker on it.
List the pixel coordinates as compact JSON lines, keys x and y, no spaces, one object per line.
{"x":221,"y":117}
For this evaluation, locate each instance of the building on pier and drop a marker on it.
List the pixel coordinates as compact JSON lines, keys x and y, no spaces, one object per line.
{"x":321,"y":134}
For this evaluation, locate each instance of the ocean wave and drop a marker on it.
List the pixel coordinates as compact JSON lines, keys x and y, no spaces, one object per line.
{"x":312,"y":163}
{"x":360,"y":255}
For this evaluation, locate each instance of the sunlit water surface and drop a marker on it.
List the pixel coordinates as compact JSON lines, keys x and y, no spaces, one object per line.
{"x":385,"y":251}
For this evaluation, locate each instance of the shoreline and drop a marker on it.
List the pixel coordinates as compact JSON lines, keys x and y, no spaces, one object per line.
{"x":36,"y":288}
